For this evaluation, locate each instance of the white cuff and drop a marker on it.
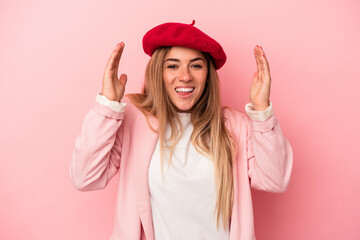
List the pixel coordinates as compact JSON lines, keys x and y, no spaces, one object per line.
{"x":258,"y":115}
{"x":114,"y":105}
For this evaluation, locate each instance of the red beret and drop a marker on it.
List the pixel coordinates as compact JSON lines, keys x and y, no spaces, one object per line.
{"x":184,"y":35}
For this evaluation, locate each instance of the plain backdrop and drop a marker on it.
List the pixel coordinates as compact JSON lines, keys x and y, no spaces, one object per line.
{"x":52,"y":58}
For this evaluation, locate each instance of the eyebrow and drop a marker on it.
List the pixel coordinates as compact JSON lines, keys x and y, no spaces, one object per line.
{"x":177,"y":60}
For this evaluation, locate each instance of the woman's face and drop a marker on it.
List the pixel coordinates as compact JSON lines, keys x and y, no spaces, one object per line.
{"x":184,"y":74}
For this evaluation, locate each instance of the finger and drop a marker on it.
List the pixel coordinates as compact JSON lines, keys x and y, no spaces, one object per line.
{"x":118,"y":57}
{"x":110,"y":64}
{"x":261,"y":59}
{"x":121,"y":86}
{"x":115,"y":57}
{"x":264,"y":60}
{"x":257,"y":58}
{"x":263,"y":69}
{"x":123,"y":79}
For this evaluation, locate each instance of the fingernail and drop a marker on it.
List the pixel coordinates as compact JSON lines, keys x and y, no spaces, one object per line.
{"x":260,"y":47}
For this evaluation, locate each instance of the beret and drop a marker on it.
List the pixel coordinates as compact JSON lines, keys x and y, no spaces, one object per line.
{"x":183,"y":35}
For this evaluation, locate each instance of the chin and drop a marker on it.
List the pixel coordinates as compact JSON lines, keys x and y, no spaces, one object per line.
{"x":186,"y":110}
{"x":183,"y":108}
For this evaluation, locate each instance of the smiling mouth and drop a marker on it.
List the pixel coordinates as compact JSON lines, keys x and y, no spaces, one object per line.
{"x":184,"y":90}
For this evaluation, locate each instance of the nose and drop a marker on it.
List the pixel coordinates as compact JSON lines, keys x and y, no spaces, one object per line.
{"x":185,"y":75}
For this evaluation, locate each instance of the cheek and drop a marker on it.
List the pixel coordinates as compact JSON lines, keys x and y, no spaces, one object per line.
{"x":203,"y":81}
{"x":166,"y":80}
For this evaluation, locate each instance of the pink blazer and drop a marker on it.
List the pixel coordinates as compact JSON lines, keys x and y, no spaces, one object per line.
{"x":111,"y":142}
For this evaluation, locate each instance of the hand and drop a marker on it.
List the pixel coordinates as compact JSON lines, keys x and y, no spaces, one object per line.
{"x":113,"y":87}
{"x":260,"y":87}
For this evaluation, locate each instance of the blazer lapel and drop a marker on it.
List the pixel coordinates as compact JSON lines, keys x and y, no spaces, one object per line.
{"x":146,"y":145}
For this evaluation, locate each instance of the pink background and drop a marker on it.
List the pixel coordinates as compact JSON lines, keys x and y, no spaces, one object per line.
{"x":52,"y":57}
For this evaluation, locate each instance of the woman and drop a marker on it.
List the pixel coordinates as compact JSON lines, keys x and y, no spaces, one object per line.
{"x":213,"y":154}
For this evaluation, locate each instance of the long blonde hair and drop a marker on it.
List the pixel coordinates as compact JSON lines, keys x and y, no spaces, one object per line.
{"x":210,"y":136}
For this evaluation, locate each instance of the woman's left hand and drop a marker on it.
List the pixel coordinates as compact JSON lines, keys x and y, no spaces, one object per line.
{"x":260,"y":87}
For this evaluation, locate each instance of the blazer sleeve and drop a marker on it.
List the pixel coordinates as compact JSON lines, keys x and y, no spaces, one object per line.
{"x":97,"y":150}
{"x":270,"y":156}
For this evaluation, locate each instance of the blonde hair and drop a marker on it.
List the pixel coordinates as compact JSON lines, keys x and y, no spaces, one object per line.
{"x":210,"y":136}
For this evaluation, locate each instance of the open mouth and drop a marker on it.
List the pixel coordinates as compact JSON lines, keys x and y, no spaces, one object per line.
{"x":184,"y":90}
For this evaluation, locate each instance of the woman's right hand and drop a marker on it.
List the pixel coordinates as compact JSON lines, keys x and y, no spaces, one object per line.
{"x":113,"y":87}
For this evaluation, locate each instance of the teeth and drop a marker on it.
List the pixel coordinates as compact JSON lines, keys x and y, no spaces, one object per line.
{"x":184,"y":89}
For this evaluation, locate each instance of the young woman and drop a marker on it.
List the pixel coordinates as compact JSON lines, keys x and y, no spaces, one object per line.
{"x":186,"y":163}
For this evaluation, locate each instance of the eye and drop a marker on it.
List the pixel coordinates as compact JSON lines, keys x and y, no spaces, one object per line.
{"x":197,"y":66}
{"x":173,"y":66}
